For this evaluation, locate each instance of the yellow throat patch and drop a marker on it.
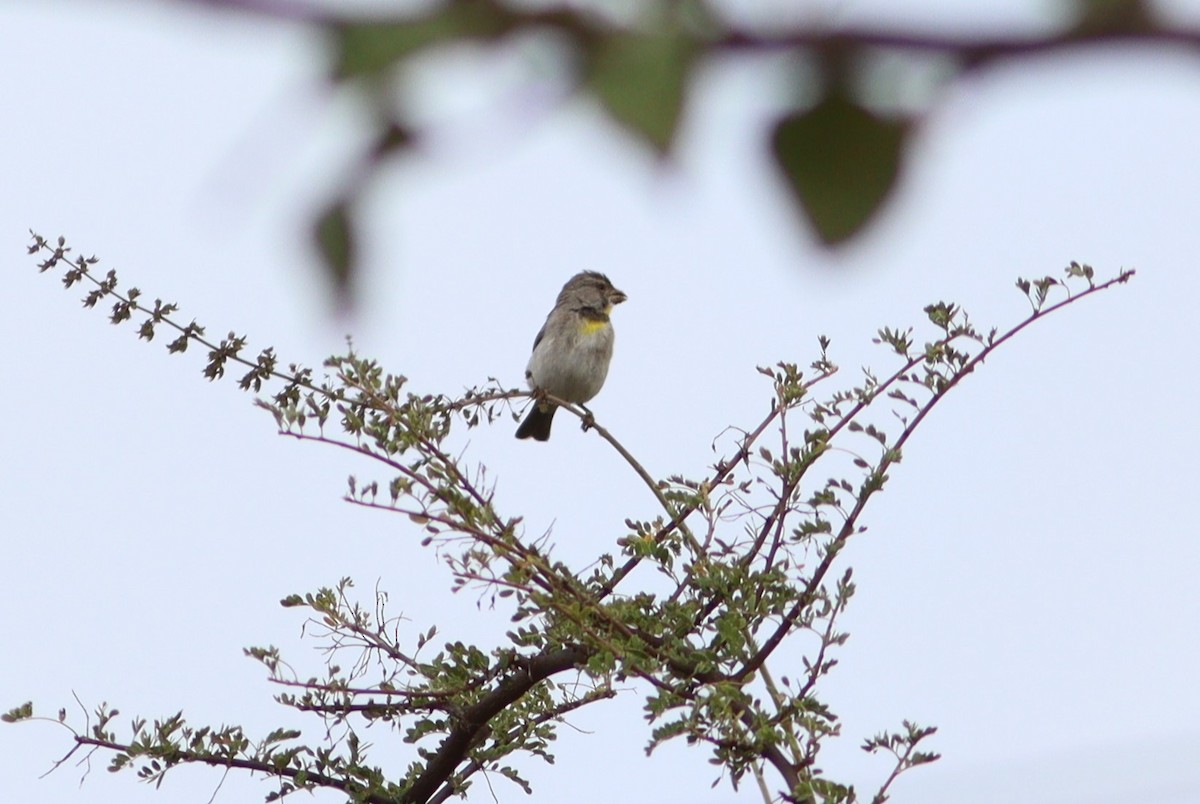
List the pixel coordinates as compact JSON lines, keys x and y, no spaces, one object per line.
{"x":590,"y":326}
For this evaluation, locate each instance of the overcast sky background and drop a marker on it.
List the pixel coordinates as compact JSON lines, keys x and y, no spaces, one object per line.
{"x":1028,"y":580}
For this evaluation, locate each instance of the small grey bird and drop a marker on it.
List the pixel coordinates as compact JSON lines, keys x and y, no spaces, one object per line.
{"x":571,"y":353}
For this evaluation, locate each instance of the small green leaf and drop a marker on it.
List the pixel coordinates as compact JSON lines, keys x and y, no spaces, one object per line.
{"x":334,"y":236}
{"x":22,"y":712}
{"x":1096,"y":16}
{"x":840,"y":161}
{"x":642,"y":81}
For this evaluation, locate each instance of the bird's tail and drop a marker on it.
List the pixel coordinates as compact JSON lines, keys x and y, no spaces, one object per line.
{"x":537,"y":423}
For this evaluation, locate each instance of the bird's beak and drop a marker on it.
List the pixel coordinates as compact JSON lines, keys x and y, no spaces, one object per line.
{"x":615,"y":297}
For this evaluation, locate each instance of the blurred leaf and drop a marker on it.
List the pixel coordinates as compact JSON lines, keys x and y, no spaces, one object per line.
{"x":840,"y":161}
{"x":334,"y":236}
{"x":370,"y":47}
{"x":1096,"y":16}
{"x":642,"y":79}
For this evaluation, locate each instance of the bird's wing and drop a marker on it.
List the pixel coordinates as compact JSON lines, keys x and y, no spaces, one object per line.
{"x":540,"y":335}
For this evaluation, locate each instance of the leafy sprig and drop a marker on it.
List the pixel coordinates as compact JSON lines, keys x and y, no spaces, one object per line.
{"x":691,"y":610}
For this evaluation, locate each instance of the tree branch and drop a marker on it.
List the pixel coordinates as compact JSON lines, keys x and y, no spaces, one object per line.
{"x":886,"y":462}
{"x":474,"y":719}
{"x":309,"y":776}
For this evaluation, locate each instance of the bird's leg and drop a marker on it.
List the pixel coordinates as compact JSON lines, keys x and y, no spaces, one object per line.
{"x":588,"y":421}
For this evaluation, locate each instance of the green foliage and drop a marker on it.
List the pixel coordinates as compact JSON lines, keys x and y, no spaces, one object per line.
{"x":841,"y":161}
{"x":691,"y":611}
{"x":642,"y":79}
{"x":838,"y":153}
{"x":334,"y":235}
{"x":18,"y":713}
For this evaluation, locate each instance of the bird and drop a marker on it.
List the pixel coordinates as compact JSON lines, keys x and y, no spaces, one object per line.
{"x":572,"y":351}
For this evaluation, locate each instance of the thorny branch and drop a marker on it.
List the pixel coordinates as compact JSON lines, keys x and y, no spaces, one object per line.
{"x":697,"y":647}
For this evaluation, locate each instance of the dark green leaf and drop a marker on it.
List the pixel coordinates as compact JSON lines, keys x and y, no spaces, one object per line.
{"x":642,"y":81}
{"x":335,"y":239}
{"x":840,"y":161}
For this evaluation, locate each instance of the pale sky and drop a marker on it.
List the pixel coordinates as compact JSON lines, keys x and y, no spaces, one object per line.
{"x":1027,"y":582}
